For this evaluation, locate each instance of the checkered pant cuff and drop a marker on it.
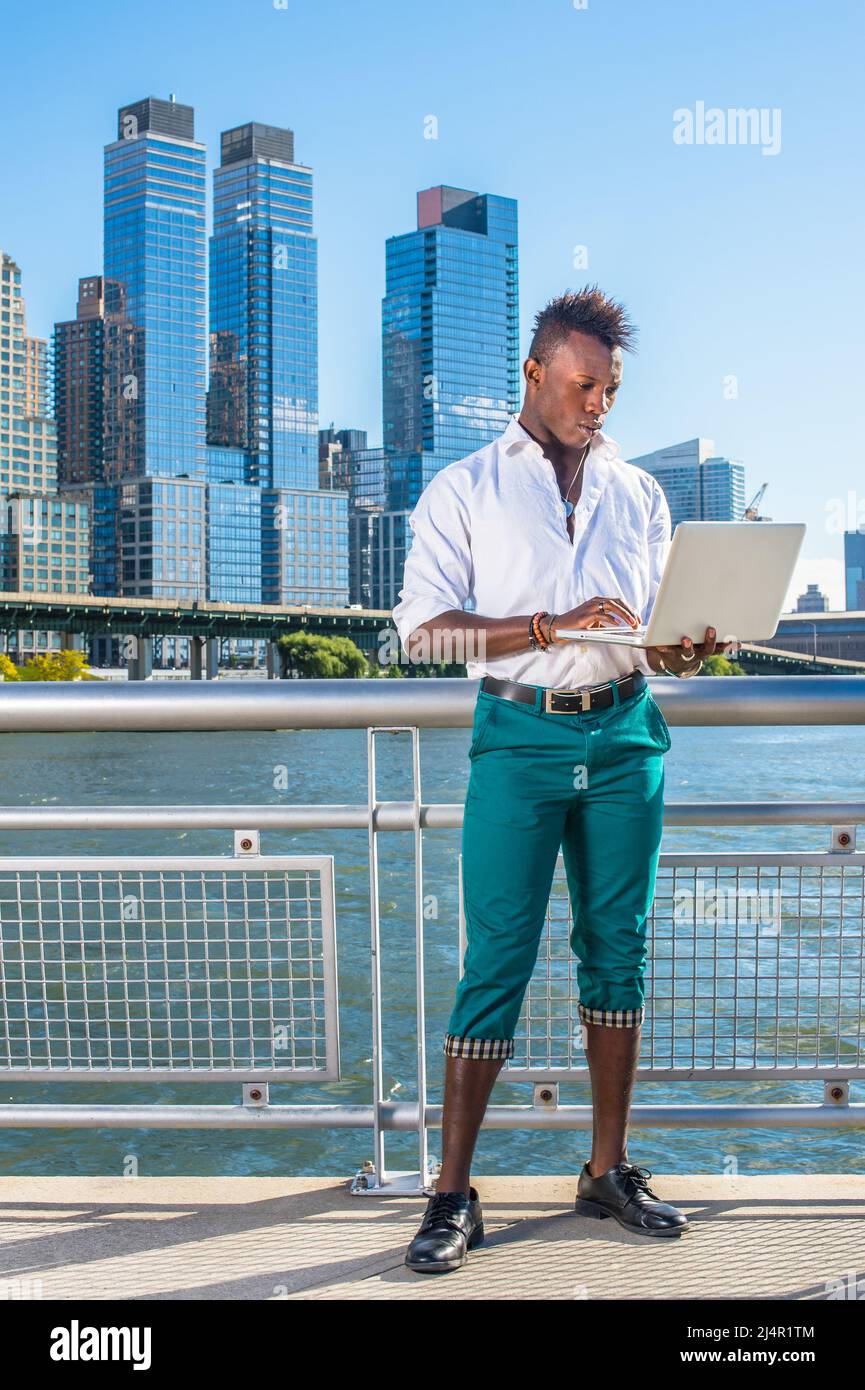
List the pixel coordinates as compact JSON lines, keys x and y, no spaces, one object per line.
{"x":612,"y":1018}
{"x":481,"y":1049}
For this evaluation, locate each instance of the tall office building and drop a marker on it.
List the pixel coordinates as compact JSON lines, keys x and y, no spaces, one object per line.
{"x":854,"y":571}
{"x":198,"y":493}
{"x":450,"y":335}
{"x":155,"y":352}
{"x":262,"y":402}
{"x":347,"y":463}
{"x":698,"y":485}
{"x":450,"y":362}
{"x":154,"y":268}
{"x":28,"y":448}
{"x":335,"y":450}
{"x":43,"y":538}
{"x":263,"y":394}
{"x":78,"y":386}
{"x":812,"y":601}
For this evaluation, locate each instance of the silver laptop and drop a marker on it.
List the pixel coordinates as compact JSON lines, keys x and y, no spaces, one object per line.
{"x":729,"y":575}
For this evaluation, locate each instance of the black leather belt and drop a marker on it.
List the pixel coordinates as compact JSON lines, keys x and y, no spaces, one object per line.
{"x":566,"y":701}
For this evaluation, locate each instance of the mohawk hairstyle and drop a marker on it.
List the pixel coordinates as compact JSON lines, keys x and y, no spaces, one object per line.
{"x":587,"y":311}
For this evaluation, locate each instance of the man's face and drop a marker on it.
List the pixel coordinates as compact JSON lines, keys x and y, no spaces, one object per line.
{"x":573,"y":393}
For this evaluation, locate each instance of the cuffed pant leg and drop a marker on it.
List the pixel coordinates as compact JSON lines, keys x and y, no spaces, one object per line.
{"x":480,"y":1049}
{"x":611,"y":845}
{"x":611,"y":1018}
{"x":512,"y":828}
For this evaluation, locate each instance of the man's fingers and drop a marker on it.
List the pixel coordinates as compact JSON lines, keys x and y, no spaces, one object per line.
{"x":709,"y":644}
{"x":617,"y":605}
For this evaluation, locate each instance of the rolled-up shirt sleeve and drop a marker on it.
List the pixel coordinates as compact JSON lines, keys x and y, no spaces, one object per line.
{"x":659,"y":537}
{"x":438,"y":567}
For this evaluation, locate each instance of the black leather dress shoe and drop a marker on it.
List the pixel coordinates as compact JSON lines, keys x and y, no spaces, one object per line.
{"x":453,"y":1224}
{"x":624,"y":1192}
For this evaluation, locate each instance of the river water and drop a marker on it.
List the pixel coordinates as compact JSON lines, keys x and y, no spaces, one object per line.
{"x":795,"y":764}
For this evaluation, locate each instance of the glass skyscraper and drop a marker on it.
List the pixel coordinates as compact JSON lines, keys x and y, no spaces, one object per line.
{"x":154,"y":271}
{"x":263,"y":394}
{"x":854,"y":571}
{"x":698,"y":485}
{"x":347,"y":463}
{"x":199,"y":493}
{"x":450,"y":335}
{"x":262,"y":403}
{"x":154,"y":356}
{"x":450,"y":363}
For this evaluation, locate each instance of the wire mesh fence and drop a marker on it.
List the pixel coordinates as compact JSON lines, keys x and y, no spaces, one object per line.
{"x":755,"y":964}
{"x":207,"y":968}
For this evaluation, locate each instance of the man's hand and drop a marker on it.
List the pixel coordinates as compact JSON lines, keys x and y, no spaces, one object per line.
{"x":596,"y":612}
{"x":686,"y":659}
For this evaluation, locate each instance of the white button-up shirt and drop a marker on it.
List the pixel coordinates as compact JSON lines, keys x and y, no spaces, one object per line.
{"x":490,"y":536}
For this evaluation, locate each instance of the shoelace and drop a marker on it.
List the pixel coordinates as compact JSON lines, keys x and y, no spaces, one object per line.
{"x":639,"y":1177}
{"x":444,"y":1205}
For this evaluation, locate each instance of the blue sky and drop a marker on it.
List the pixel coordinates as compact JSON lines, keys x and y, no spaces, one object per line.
{"x":735,"y":264}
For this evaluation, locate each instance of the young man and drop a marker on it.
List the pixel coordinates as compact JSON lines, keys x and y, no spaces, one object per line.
{"x":547,"y":528}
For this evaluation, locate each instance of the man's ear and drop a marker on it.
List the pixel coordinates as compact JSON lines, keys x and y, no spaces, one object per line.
{"x":533,"y":371}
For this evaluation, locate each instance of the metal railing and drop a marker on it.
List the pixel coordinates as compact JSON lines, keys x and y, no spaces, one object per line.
{"x":756,"y":970}
{"x":160,"y":969}
{"x":224,"y":967}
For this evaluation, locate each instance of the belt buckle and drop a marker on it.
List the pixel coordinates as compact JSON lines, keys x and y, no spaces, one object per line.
{"x":585,"y":701}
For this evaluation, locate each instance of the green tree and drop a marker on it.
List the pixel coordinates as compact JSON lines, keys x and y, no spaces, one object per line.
{"x":55,"y":666}
{"x":322,"y":658}
{"x":8,"y":669}
{"x":720,"y":665}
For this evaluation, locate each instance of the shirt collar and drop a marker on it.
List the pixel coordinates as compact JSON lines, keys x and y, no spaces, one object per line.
{"x":515,"y":437}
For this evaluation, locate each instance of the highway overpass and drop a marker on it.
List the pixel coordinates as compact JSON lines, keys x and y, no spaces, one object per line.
{"x":83,"y":615}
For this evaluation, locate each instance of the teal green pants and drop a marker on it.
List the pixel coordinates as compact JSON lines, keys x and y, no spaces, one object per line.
{"x":591,"y":785}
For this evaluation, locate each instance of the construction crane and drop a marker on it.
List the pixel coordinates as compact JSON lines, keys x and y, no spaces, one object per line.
{"x":752,"y":511}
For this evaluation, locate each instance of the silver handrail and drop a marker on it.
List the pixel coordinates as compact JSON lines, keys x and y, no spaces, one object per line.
{"x":441,"y":703}
{"x":394,"y":815}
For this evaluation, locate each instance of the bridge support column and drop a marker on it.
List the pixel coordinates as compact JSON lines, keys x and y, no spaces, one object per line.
{"x":71,"y":642}
{"x":273,"y":661}
{"x":140,"y":664}
{"x":203,"y":658}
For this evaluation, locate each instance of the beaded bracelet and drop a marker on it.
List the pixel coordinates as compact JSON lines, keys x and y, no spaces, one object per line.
{"x":536,"y":637}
